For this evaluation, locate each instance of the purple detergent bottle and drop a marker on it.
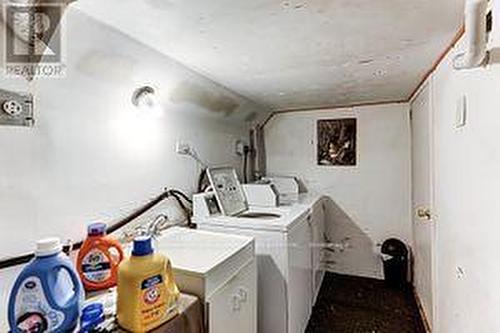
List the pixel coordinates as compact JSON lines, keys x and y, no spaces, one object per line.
{"x":47,"y":295}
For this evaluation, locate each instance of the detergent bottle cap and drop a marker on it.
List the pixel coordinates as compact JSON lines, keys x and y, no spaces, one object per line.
{"x":96,"y":229}
{"x":142,"y":246}
{"x":92,"y":315}
{"x":48,"y":247}
{"x":92,"y":311}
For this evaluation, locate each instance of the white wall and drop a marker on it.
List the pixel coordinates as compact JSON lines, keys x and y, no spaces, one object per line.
{"x":91,"y":155}
{"x":371,"y":202}
{"x":467,"y":192}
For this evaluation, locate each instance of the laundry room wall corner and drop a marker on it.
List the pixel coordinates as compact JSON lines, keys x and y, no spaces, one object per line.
{"x":370,"y":201}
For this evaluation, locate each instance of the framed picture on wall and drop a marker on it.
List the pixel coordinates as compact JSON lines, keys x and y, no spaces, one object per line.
{"x":337,"y":142}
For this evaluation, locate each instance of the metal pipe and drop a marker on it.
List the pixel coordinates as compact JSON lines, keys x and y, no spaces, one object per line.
{"x":23,"y":259}
{"x":476,"y":36}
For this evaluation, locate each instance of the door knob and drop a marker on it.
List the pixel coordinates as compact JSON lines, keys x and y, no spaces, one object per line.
{"x":424,"y":213}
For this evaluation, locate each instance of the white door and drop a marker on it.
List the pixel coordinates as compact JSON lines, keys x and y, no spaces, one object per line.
{"x":423,"y":224}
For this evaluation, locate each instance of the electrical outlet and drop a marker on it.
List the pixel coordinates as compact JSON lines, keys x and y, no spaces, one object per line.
{"x":182,"y":148}
{"x":13,"y":107}
{"x":16,"y":109}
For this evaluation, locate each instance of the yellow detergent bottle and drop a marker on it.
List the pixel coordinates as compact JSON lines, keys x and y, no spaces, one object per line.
{"x":147,"y":294}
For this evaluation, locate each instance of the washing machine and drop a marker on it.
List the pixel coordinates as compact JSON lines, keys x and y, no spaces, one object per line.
{"x":283,"y":237}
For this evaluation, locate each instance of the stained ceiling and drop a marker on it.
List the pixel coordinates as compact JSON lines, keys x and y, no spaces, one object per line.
{"x":293,"y":54}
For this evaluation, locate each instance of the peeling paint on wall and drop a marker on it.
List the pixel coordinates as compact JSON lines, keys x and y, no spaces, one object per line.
{"x":189,"y":92}
{"x":107,"y":66}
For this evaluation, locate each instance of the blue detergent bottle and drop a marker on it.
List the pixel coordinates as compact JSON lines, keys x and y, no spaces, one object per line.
{"x":47,"y":295}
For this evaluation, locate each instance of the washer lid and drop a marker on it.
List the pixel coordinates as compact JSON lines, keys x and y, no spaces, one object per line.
{"x":198,"y":251}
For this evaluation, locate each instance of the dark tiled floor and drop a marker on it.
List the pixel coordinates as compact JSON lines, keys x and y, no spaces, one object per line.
{"x":349,"y":304}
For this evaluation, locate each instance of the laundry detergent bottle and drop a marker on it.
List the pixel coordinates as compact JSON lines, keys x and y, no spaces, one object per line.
{"x":147,"y":294}
{"x":47,"y":295}
{"x":98,"y":259}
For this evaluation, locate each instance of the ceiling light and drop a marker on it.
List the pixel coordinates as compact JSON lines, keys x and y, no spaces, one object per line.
{"x":144,"y":97}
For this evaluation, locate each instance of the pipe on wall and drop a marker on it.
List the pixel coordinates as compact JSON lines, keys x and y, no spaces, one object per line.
{"x":476,"y":36}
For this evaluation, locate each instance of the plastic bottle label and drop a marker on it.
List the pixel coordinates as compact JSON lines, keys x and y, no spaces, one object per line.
{"x":32,"y":310}
{"x":96,"y":266}
{"x":153,"y":294}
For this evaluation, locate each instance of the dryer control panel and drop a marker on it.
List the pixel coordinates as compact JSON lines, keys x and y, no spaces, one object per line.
{"x":228,"y":190}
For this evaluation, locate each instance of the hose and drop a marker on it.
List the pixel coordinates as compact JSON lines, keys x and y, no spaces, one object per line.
{"x":178,"y":195}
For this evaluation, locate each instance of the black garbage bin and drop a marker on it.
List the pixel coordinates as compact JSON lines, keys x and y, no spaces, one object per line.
{"x":395,"y":261}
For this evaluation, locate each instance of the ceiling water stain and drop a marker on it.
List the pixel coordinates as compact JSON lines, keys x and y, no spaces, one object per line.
{"x":188,"y":92}
{"x":251,"y":117}
{"x":107,"y":66}
{"x":160,"y":4}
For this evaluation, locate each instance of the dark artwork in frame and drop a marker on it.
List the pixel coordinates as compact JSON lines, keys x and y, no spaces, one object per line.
{"x":337,"y":142}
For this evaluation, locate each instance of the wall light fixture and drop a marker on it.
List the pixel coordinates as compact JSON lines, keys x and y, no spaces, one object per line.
{"x":144,"y":97}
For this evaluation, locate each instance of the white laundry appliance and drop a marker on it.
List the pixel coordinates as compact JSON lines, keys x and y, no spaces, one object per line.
{"x":221,"y":270}
{"x":272,"y":191}
{"x":287,"y":261}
